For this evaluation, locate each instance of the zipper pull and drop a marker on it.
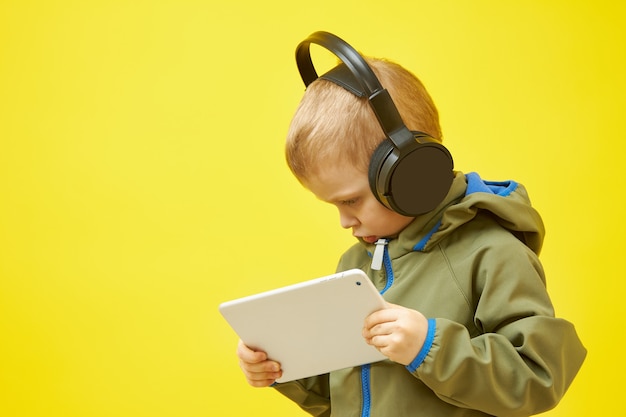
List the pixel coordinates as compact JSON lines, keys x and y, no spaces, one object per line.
{"x":379,"y":251}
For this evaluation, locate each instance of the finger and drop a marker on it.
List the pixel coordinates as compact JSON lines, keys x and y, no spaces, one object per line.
{"x":249,"y":355}
{"x":260,"y":368}
{"x":261,"y":374}
{"x":380,"y":329}
{"x":259,"y":381}
{"x":380,"y":317}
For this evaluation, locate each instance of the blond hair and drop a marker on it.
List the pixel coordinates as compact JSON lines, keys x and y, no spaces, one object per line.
{"x":332,"y":125}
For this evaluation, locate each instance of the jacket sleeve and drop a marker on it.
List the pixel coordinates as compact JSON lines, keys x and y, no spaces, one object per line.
{"x":311,"y":394}
{"x":519,"y":359}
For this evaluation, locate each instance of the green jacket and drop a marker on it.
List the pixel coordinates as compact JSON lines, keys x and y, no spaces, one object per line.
{"x":494,"y":345}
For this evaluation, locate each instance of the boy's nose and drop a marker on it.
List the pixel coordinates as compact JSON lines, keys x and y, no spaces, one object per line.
{"x":348,"y":221}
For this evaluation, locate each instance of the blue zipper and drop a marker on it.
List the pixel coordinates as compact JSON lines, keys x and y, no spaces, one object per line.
{"x":388,"y":271}
{"x":366,"y":389}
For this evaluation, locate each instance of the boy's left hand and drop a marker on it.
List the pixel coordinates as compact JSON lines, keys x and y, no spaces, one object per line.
{"x":397,"y":332}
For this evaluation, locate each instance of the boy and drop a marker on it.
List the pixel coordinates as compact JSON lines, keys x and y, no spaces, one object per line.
{"x":469,"y":329}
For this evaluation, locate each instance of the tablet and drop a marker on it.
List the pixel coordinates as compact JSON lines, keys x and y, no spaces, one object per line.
{"x":312,"y":327}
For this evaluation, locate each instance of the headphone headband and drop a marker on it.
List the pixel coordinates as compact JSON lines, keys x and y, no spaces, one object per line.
{"x":378,"y":97}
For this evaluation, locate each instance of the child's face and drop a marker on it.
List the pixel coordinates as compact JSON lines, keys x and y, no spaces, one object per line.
{"x":348,"y":189}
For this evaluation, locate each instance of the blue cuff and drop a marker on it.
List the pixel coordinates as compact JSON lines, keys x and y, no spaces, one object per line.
{"x":428,"y":343}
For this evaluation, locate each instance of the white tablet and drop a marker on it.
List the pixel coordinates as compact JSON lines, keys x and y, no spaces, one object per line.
{"x":312,"y":327}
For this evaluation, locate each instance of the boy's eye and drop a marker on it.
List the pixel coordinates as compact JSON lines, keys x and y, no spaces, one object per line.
{"x":349,"y":202}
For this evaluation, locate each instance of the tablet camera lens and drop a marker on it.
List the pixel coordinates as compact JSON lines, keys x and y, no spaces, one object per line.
{"x":358,"y":283}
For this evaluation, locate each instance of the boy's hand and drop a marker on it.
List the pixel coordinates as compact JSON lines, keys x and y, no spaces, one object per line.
{"x":397,"y":332}
{"x":259,"y":371}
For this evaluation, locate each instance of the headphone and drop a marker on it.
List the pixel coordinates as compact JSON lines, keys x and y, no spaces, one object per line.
{"x":409,"y":172}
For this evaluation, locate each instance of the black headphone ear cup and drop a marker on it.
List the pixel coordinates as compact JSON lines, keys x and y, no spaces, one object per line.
{"x":382,"y":151}
{"x":411,"y":182}
{"x":420,"y":179}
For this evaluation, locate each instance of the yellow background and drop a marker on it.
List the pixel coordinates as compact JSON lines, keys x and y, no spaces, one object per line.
{"x":142,"y":181}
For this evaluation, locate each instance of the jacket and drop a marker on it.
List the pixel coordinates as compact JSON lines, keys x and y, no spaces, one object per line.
{"x":494,"y":345}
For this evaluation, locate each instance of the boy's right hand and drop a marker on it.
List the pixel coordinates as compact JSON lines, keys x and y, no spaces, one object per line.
{"x":259,"y":371}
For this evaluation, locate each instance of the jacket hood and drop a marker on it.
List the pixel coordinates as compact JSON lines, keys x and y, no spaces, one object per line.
{"x":505,"y":201}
